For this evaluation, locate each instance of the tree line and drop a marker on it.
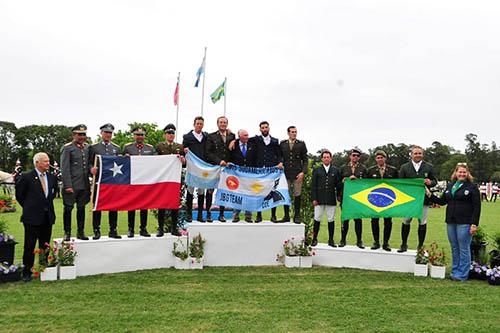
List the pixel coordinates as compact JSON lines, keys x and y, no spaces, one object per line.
{"x":23,"y":142}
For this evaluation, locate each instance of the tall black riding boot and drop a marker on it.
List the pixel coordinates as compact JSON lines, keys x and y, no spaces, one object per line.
{"x":96,"y":224}
{"x":80,"y":220}
{"x":286,"y":217}
{"x":131,"y":223}
{"x":273,"y":215}
{"x":174,"y":214}
{"x":189,"y":207}
{"x":161,"y":223}
{"x":422,"y":230}
{"x":221,"y":214}
{"x":343,"y":236}
{"x":331,"y":230}
{"x":358,"y":227}
{"x":296,"y":214}
{"x":387,"y":233}
{"x":201,"y":201}
{"x":113,"y":223}
{"x":405,"y":231}
{"x":376,"y":234}
{"x":315,"y":233}
{"x":67,"y":222}
{"x":208,"y":205}
{"x":144,"y":223}
{"x":258,"y":218}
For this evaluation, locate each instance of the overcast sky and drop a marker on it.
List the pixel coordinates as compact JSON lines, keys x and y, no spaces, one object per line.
{"x":345,"y":73}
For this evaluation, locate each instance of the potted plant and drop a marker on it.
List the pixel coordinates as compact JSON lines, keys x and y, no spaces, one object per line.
{"x":7,"y":243}
{"x":495,"y":253}
{"x":479,"y":266}
{"x":196,"y":252}
{"x":48,"y":263}
{"x":290,"y":253}
{"x":478,"y":243}
{"x":493,"y":276}
{"x":421,"y":262}
{"x":10,"y":272}
{"x":437,"y":261}
{"x":305,"y":254}
{"x":66,"y":254}
{"x":7,"y":203}
{"x":181,"y":255}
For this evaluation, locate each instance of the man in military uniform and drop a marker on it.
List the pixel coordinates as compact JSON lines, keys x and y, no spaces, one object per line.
{"x":57,"y":173}
{"x":268,"y":154}
{"x":295,"y":160}
{"x":326,"y":184}
{"x":75,"y":176}
{"x":196,"y":142}
{"x":104,"y":148}
{"x":353,"y":170}
{"x":381,"y":170}
{"x":138,"y":147}
{"x":218,"y":154}
{"x":169,"y":147}
{"x":243,"y":154}
{"x":417,"y":168}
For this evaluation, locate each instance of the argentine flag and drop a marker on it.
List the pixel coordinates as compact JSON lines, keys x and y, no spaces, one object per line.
{"x":200,"y":71}
{"x":252,"y":189}
{"x":201,"y":174}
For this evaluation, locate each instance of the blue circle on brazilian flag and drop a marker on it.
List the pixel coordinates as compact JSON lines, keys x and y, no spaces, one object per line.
{"x":382,"y":197}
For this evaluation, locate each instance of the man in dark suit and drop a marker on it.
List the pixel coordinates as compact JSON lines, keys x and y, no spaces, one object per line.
{"x":325,"y":186}
{"x":295,"y":161}
{"x":381,"y":170}
{"x":417,"y":168}
{"x":243,"y":154}
{"x":35,"y":192}
{"x":218,"y":154}
{"x":196,"y":142}
{"x":268,"y":154}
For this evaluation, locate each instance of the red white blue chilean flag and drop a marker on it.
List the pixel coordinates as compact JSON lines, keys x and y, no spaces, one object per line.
{"x":138,"y":182}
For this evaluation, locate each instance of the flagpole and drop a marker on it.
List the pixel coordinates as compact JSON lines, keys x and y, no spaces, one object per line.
{"x":225,"y":91}
{"x":203,"y":84}
{"x":178,"y":98}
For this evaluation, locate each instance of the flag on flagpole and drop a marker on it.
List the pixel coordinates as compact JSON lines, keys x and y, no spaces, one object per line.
{"x":219,"y":92}
{"x":200,"y":71}
{"x":201,"y":174}
{"x":176,"y":93}
{"x":138,"y":182}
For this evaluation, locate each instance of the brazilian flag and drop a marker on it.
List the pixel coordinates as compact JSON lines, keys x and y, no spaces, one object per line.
{"x":383,"y":198}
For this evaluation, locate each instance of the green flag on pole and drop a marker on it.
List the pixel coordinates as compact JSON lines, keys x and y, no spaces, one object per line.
{"x":382,"y":198}
{"x":219,"y":92}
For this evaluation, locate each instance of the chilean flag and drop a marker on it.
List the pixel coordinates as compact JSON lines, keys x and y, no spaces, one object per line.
{"x":138,"y":182}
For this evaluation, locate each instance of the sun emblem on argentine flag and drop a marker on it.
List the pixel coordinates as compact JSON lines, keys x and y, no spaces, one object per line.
{"x":117,"y":169}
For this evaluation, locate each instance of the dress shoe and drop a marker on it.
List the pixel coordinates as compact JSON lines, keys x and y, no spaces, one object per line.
{"x":342,"y":243}
{"x":97,"y":234}
{"x":175,"y":232}
{"x":114,"y":234}
{"x":222,"y":218}
{"x":332,"y":244}
{"x":375,"y":246}
{"x":160,"y":233}
{"x":296,"y":219}
{"x":286,"y":218}
{"x":236,"y":219}
{"x":387,"y":247}
{"x":314,"y":242}
{"x":360,"y":245}
{"x":81,"y":235}
{"x":209,"y":217}
{"x":67,"y":236}
{"x":274,"y":219}
{"x":248,"y":220}
{"x":258,"y":219}
{"x":403,"y":248}
{"x":130,"y":233}
{"x":144,"y":233}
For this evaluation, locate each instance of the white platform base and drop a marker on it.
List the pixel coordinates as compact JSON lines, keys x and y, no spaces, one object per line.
{"x":109,"y":255}
{"x":354,"y":257}
{"x":244,"y":244}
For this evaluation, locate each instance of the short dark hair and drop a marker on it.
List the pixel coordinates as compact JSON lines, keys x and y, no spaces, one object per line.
{"x":263,"y":123}
{"x":289,"y":128}
{"x":198,"y":118}
{"x":221,"y":118}
{"x":325,"y":151}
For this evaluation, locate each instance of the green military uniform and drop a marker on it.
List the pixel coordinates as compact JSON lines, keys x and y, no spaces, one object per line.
{"x":75,"y":175}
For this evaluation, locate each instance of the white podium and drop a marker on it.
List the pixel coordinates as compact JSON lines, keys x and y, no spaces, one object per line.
{"x":244,"y":244}
{"x":354,"y":257}
{"x":109,"y":255}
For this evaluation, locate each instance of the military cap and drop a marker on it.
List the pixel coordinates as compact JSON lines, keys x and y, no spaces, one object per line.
{"x":107,"y":128}
{"x":381,"y":153}
{"x":170,"y":128}
{"x":355,"y":151}
{"x":138,"y":130}
{"x":80,"y":129}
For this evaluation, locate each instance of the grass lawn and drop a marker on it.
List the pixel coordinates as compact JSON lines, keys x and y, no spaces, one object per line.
{"x":255,"y":298}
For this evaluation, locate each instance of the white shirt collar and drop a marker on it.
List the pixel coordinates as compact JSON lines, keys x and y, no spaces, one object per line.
{"x":327,"y":168}
{"x":198,"y":136}
{"x":416,"y":165}
{"x":267,"y":139}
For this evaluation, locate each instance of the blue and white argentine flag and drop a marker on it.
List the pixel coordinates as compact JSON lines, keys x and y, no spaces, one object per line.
{"x":201,"y":174}
{"x":252,"y":189}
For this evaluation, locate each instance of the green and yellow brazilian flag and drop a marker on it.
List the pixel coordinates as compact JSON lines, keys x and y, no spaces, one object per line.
{"x":383,"y":198}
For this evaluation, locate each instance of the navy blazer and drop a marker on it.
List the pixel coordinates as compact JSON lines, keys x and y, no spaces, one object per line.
{"x":30,"y":195}
{"x":462,"y":208}
{"x":266,"y":155}
{"x":198,"y":148}
{"x":236,"y":156}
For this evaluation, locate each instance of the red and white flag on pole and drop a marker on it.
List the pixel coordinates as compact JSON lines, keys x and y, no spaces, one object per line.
{"x":176,"y":93}
{"x":138,"y":182}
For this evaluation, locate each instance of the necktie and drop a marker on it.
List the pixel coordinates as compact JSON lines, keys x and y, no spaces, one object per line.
{"x":244,"y":150}
{"x":44,"y":186}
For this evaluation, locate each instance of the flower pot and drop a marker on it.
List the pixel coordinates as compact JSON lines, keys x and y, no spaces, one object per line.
{"x":181,"y":264}
{"x":306,"y":262}
{"x":438,"y":272}
{"x":67,"y":272}
{"x":11,"y":277}
{"x":7,"y":250}
{"x":494,"y":281}
{"x":421,"y":270}
{"x":49,"y":274}
{"x":292,"y":261}
{"x":476,"y":248}
{"x":195,"y":263}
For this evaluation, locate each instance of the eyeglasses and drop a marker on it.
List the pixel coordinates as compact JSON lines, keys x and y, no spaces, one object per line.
{"x":355,"y":155}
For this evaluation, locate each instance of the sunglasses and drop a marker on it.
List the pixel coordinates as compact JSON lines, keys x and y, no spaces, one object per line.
{"x":139,"y":134}
{"x":355,"y":155}
{"x":81,"y":134}
{"x":462,"y":164}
